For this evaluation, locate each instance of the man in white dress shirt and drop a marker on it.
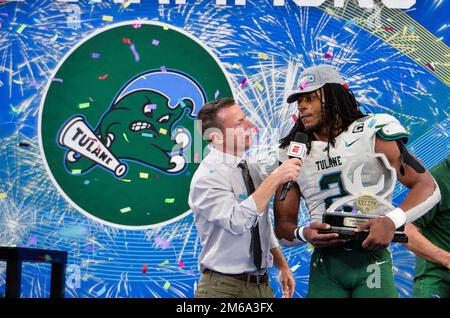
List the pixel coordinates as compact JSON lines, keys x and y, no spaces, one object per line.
{"x":229,"y":201}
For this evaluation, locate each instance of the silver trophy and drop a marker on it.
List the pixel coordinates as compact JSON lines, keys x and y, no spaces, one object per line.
{"x":369,"y":181}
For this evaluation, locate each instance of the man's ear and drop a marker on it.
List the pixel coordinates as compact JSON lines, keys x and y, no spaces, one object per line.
{"x":215,"y":135}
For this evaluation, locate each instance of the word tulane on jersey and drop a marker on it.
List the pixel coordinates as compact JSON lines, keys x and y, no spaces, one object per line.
{"x":328,"y":163}
{"x":391,"y":4}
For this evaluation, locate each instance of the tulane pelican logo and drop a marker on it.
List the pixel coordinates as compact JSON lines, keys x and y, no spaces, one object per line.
{"x":117,"y":126}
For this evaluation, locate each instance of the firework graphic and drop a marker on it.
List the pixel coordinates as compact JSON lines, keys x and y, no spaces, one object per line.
{"x":264,"y":49}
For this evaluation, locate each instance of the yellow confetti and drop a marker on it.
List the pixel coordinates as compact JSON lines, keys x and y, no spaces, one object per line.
{"x":264,"y":56}
{"x":166,"y":285}
{"x":107,"y":18}
{"x":164,"y":263}
{"x":125,"y":180}
{"x":236,"y":66}
{"x":169,"y":200}
{"x":260,"y":87}
{"x":143,"y":175}
{"x":163,"y":131}
{"x":166,"y":27}
{"x":127,"y":3}
{"x":3,"y":195}
{"x":125,"y":210}
{"x":83,"y":105}
{"x":21,"y":28}
{"x":76,"y":171}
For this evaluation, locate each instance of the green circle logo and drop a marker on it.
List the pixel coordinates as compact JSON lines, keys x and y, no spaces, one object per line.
{"x":116,"y":124}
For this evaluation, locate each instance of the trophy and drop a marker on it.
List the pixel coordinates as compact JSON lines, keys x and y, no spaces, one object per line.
{"x":369,"y":181}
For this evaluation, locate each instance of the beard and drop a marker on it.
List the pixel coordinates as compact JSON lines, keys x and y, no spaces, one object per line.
{"x":316,"y":128}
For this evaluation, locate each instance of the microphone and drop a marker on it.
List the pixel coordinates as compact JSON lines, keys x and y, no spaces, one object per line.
{"x":297,"y":149}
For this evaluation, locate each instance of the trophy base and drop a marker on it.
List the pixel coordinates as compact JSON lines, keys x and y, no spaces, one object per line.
{"x":344,"y":224}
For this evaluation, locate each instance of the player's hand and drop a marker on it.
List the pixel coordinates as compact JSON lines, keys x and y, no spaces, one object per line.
{"x":312,"y":235}
{"x":381,"y":233}
{"x":287,"y":282}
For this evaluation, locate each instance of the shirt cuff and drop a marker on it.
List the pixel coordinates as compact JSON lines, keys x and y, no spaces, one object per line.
{"x":249,"y":210}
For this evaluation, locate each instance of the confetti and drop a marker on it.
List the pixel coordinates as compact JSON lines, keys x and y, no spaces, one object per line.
{"x":163,"y":69}
{"x":161,"y":243}
{"x":163,"y":131}
{"x":411,"y":28}
{"x":182,"y":103}
{"x":76,"y":171}
{"x":388,"y":28}
{"x":53,"y":39}
{"x":107,"y":18}
{"x":83,"y":105}
{"x":295,"y":267}
{"x":18,"y":82}
{"x":32,"y":240}
{"x":125,"y":180}
{"x":166,"y":285}
{"x":244,"y":80}
{"x":164,"y":263}
{"x":180,"y":264}
{"x":165,"y":27}
{"x":303,"y":84}
{"x":260,"y":87}
{"x":126,"y":41}
{"x":216,"y":94}
{"x":24,"y":144}
{"x":430,"y":66}
{"x":169,"y":200}
{"x":125,"y":210}
{"x":144,"y":268}
{"x":243,"y":196}
{"x":137,"y":57}
{"x":155,"y":42}
{"x":371,"y":123}
{"x":294,"y":117}
{"x":196,"y":157}
{"x":95,"y":55}
{"x":86,"y":182}
{"x":103,"y":77}
{"x":264,"y":56}
{"x":236,"y":66}
{"x":126,"y":3}
{"x":101,"y":291}
{"x":329,"y":55}
{"x":346,"y":85}
{"x":48,"y":258}
{"x":125,"y":137}
{"x":55,"y":79}
{"x":149,"y":107}
{"x":143,"y":175}
{"x":21,"y":28}
{"x":147,"y":135}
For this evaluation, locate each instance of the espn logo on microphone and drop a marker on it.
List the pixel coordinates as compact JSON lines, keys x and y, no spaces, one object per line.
{"x":297,"y":150}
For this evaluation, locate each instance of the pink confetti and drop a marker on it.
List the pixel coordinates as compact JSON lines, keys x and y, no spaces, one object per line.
{"x":196,"y":157}
{"x":329,"y":55}
{"x":244,"y":80}
{"x":144,"y":268}
{"x":303,"y":84}
{"x":430,"y":66}
{"x":180,"y":264}
{"x":126,"y":41}
{"x":387,"y":28}
{"x":103,"y":77}
{"x":346,"y":85}
{"x":137,"y":25}
{"x":32,"y":240}
{"x":294,"y":117}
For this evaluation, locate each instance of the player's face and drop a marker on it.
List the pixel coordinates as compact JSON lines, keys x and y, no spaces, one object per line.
{"x":310,"y":110}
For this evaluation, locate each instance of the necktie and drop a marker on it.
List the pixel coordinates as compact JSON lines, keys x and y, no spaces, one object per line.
{"x":256,"y":240}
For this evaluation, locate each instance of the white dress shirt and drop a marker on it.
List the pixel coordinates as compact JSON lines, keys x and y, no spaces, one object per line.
{"x":224,"y":215}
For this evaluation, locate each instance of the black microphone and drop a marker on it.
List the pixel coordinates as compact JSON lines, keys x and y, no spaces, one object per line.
{"x":297,"y":149}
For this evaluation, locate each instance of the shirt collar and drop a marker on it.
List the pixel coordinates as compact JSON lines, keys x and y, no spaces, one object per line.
{"x":225,"y":158}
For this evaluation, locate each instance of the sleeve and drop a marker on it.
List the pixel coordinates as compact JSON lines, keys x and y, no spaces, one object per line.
{"x":387,"y":127}
{"x":273,"y":240}
{"x":214,"y":200}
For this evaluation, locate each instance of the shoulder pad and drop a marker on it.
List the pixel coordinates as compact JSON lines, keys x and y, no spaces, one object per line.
{"x":388,"y":127}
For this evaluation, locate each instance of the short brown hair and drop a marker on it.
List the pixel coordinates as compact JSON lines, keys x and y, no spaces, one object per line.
{"x":208,"y":113}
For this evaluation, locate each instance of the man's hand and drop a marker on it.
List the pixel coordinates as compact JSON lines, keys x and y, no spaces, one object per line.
{"x":287,"y":282}
{"x":313,"y":236}
{"x":381,"y":233}
{"x":287,"y":171}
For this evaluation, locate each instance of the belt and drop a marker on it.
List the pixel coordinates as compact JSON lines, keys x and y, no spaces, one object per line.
{"x":249,"y":278}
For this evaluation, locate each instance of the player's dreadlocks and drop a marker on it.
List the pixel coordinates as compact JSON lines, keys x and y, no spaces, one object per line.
{"x":340,"y":109}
